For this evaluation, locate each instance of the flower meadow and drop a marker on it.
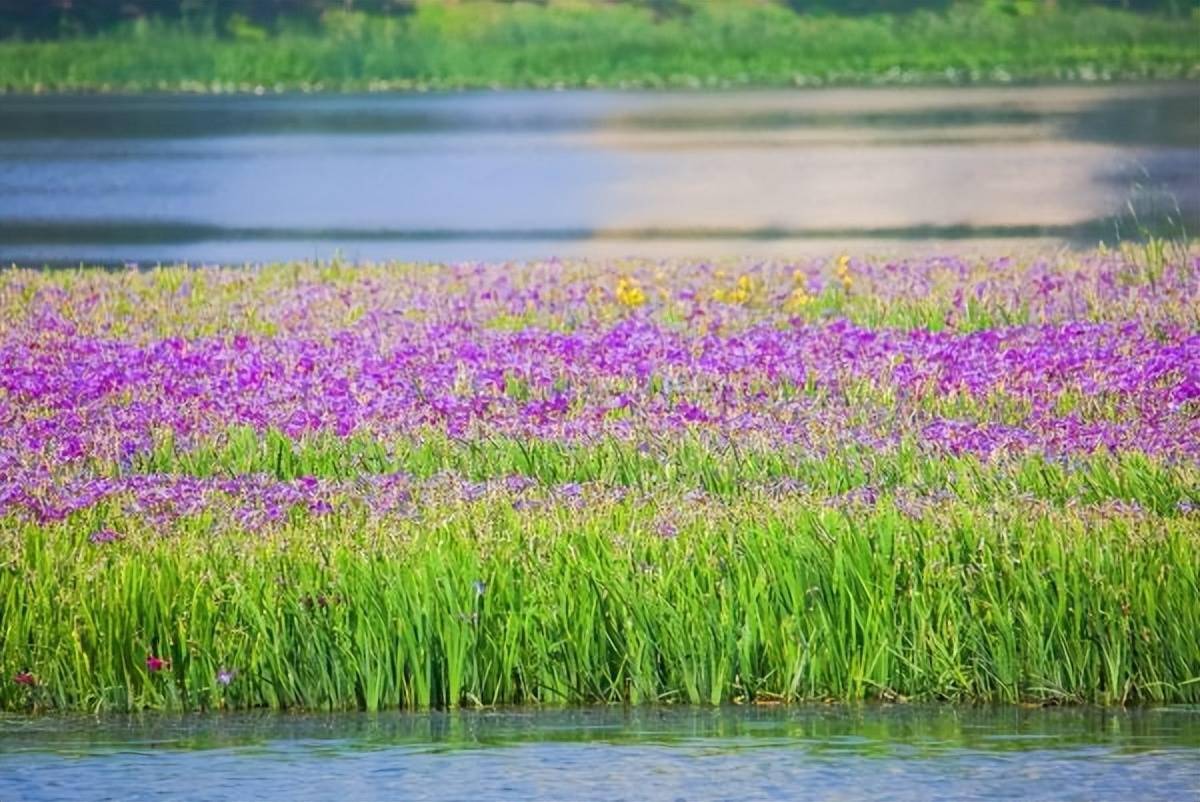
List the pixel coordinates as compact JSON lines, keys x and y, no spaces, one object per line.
{"x":337,"y":486}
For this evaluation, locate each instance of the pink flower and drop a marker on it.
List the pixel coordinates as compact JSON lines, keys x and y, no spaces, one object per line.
{"x":156,"y":664}
{"x":25,"y":678}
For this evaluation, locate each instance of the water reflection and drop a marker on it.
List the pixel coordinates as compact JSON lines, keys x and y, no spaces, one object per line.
{"x":824,"y":752}
{"x":861,"y":730}
{"x":528,"y":175}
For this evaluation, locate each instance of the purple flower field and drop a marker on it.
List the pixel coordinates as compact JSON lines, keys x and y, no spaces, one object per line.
{"x":1062,"y":358}
{"x":195,"y":462}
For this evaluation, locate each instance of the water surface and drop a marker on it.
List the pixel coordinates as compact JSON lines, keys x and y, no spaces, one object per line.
{"x":826,"y":753}
{"x":499,"y":175}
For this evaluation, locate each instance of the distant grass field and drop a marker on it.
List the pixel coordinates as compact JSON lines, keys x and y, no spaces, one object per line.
{"x":599,"y":45}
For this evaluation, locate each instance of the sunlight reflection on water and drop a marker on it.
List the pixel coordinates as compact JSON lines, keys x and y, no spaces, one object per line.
{"x":527,"y":175}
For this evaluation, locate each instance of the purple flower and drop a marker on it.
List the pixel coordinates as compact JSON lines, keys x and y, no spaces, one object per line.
{"x":473,"y":491}
{"x":517,"y":483}
{"x":155,"y":664}
{"x":105,"y":536}
{"x":225,"y":676}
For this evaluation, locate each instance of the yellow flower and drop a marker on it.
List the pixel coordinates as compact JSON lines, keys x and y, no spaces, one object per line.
{"x":629,"y":293}
{"x":797,"y":299}
{"x":738,"y":294}
{"x":843,"y":272}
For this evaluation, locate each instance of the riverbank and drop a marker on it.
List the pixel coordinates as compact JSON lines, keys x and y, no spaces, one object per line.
{"x":527,"y":46}
{"x":328,"y":487}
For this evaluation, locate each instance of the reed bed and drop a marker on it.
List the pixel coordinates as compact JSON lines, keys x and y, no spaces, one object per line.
{"x":327,"y":486}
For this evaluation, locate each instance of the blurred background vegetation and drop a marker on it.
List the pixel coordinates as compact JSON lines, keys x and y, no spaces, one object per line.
{"x":54,"y":18}
{"x":241,"y":45}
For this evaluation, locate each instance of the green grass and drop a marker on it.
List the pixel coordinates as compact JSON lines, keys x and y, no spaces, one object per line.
{"x":595,"y":45}
{"x":749,"y":601}
{"x":1012,"y":582}
{"x":726,"y":470}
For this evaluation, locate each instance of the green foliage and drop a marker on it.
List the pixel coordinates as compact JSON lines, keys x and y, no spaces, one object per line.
{"x":1003,"y":602}
{"x":725,"y":470}
{"x":1025,"y":580}
{"x":581,"y":45}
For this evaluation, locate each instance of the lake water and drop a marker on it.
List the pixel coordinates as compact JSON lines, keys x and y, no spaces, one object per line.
{"x":837,"y":753}
{"x":500,"y":175}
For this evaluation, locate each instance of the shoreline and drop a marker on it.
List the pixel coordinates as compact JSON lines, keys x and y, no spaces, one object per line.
{"x":196,"y":88}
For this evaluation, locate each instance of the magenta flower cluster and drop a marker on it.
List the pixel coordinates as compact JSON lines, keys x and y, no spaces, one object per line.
{"x":1084,"y":355}
{"x":71,"y":398}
